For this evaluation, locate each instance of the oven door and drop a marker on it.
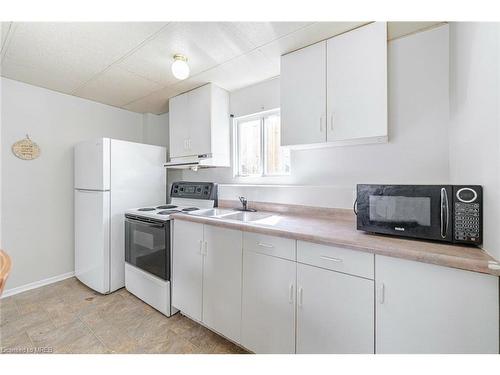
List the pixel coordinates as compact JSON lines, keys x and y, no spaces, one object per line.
{"x":420,"y":211}
{"x":147,"y":246}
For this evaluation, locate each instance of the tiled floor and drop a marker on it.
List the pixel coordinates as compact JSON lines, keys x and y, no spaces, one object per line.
{"x":68,"y":317}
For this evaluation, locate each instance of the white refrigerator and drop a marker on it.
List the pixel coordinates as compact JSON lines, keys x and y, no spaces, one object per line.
{"x":110,"y":177}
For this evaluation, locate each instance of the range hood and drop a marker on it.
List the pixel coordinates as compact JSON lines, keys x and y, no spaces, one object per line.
{"x":194,"y":162}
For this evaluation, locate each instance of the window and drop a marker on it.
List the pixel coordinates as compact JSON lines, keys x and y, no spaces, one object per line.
{"x":257,"y":146}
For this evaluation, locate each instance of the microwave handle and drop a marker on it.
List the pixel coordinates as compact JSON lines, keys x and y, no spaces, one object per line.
{"x":445,"y":213}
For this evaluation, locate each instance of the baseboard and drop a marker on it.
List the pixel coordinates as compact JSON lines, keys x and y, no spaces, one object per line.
{"x":36,"y":284}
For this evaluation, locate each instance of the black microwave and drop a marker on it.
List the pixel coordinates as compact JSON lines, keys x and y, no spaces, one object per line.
{"x":450,"y":213}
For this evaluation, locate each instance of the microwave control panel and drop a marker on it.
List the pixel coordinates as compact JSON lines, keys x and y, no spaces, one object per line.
{"x":467,"y":214}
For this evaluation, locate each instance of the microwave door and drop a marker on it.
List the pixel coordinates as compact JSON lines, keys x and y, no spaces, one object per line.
{"x":419,"y":211}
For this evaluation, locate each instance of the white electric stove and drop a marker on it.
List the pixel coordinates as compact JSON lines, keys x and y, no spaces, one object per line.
{"x":148,"y":242}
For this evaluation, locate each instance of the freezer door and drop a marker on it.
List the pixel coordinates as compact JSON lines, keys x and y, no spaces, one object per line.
{"x":92,"y":224}
{"x":138,"y":179}
{"x":92,"y":164}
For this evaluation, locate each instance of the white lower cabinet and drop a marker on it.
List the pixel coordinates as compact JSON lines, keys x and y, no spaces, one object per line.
{"x":222,"y":280}
{"x":257,"y":291}
{"x":335,"y":312}
{"x":424,"y":308}
{"x":268,"y":304}
{"x":187,"y":268}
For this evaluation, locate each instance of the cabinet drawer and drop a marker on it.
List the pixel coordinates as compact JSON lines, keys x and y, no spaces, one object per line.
{"x":338,"y":259}
{"x":269,"y":245}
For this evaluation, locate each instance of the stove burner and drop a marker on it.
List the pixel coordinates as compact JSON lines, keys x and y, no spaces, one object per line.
{"x":146,"y":209}
{"x":167,"y":212}
{"x":187,"y":209}
{"x":166,"y":206}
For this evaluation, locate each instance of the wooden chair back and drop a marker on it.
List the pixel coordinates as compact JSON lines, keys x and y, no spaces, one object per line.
{"x":5,"y":267}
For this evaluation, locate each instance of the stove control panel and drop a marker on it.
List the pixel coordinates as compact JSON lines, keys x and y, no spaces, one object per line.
{"x":194,"y":190}
{"x":467,"y":214}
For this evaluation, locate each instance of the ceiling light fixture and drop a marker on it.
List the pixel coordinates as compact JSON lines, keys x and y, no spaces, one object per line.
{"x":180,"y":68}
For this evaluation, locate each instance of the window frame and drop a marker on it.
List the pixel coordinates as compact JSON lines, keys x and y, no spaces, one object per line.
{"x":236,"y":143}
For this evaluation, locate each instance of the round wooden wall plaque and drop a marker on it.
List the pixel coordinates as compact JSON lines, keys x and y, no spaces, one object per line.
{"x":26,"y":149}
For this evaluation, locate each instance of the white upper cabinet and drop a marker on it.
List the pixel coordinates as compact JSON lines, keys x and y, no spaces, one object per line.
{"x":199,"y":124}
{"x":179,"y":125}
{"x":424,"y":308}
{"x":335,"y":92}
{"x":357,"y":84}
{"x":303,"y":96}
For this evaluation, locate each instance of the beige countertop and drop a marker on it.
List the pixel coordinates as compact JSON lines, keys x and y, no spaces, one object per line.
{"x":338,"y":228}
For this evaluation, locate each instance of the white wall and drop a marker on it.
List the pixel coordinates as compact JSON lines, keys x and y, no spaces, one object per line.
{"x":155,"y":129}
{"x":37,"y":196}
{"x":418,"y":131}
{"x":474,"y":115}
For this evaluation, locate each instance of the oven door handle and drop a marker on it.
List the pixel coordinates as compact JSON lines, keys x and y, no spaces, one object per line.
{"x":146,"y":223}
{"x":445,"y":213}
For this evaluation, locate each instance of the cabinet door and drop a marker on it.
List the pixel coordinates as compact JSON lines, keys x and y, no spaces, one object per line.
{"x":335,"y":312}
{"x":187,"y":262}
{"x":303,"y":96}
{"x":222,"y":280}
{"x":423,"y":308}
{"x":268,"y":304}
{"x":199,"y":113}
{"x":179,"y":126}
{"x":357,"y":84}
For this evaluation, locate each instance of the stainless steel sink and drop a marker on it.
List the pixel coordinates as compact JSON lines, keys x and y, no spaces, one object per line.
{"x":247,"y":216}
{"x":212,"y":212}
{"x":244,"y":216}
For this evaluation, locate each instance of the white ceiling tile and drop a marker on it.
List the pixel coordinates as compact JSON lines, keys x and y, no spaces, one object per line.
{"x":399,"y":29}
{"x":205,"y":44}
{"x":80,"y":48}
{"x":53,"y":77}
{"x":260,"y":33}
{"x":239,"y":72}
{"x":4,"y":31}
{"x":306,"y":36}
{"x":156,"y":102}
{"x":117,"y":87}
{"x":128,"y":64}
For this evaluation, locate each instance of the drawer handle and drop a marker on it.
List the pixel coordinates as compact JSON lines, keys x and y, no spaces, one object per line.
{"x":331,"y":259}
{"x":269,"y":246}
{"x":300,"y":299}
{"x":290,"y":294}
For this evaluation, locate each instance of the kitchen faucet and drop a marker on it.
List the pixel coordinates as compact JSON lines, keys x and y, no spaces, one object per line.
{"x":244,"y":204}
